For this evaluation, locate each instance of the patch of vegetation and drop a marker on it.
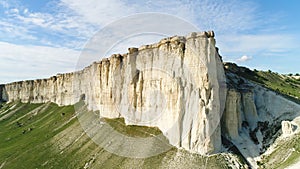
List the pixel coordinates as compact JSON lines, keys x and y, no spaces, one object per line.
{"x":284,"y":155}
{"x":25,"y":135}
{"x":132,"y":130}
{"x":49,"y":136}
{"x":282,"y":84}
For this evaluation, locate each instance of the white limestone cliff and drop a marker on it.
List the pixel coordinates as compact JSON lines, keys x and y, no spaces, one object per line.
{"x":176,"y":85}
{"x":240,"y":107}
{"x":252,"y":114}
{"x":232,"y":117}
{"x":271,"y":105}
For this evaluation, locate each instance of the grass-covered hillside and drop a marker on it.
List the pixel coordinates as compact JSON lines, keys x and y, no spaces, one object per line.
{"x":286,"y":85}
{"x":286,"y":152}
{"x":48,"y":136}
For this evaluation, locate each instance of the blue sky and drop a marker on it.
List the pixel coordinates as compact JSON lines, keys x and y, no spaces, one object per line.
{"x":39,"y":38}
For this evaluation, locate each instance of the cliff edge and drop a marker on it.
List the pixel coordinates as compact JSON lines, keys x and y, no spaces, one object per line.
{"x":177,"y":85}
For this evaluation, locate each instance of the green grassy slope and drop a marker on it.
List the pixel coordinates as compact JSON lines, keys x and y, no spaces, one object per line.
{"x":48,"y":136}
{"x":286,"y":153}
{"x":287,"y":86}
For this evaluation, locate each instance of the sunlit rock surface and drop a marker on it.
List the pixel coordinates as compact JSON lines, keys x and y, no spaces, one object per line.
{"x":176,"y":85}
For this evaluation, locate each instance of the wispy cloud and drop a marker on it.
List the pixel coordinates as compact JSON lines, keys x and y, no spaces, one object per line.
{"x":70,"y":23}
{"x":79,"y":20}
{"x":24,"y":24}
{"x":226,"y":16}
{"x":9,"y":30}
{"x":19,"y":62}
{"x":258,"y":44}
{"x":98,"y":12}
{"x":221,"y":16}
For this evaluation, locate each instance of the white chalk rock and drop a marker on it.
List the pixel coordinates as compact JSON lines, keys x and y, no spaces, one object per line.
{"x":173,"y":85}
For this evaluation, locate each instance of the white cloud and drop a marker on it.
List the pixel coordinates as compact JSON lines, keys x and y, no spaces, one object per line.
{"x":98,"y":12}
{"x":258,"y":44}
{"x":77,"y":19}
{"x":226,"y":16}
{"x":71,"y":22}
{"x":37,"y":19}
{"x":20,"y":62}
{"x":25,"y":11}
{"x":244,"y":58}
{"x":10,"y":30}
{"x":31,"y":25}
{"x":221,"y":16}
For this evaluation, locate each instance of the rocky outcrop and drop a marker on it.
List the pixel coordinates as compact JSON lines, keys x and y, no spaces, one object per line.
{"x":177,"y":85}
{"x":272,"y":106}
{"x":240,"y":111}
{"x":287,"y":128}
{"x":254,"y":115}
{"x":252,"y":108}
{"x":232,"y":117}
{"x":249,"y":109}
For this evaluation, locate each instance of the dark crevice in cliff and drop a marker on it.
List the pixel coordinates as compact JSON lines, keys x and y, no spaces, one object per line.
{"x":134,"y":82}
{"x":100,"y":74}
{"x":141,"y":89}
{"x":3,"y":94}
{"x":182,"y":47}
{"x":107,"y":71}
{"x":182,"y":110}
{"x":233,"y":149}
{"x":190,"y":135}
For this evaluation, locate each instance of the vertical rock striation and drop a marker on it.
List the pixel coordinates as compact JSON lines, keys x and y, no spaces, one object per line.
{"x":176,"y":85}
{"x":240,"y":112}
{"x":254,"y":115}
{"x":232,"y":117}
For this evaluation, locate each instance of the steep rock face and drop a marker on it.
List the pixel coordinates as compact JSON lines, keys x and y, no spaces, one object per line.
{"x":250,"y":113}
{"x":232,"y":122}
{"x":272,"y":106}
{"x":251,"y":107}
{"x":240,"y":111}
{"x":174,"y":85}
{"x":255,"y":116}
